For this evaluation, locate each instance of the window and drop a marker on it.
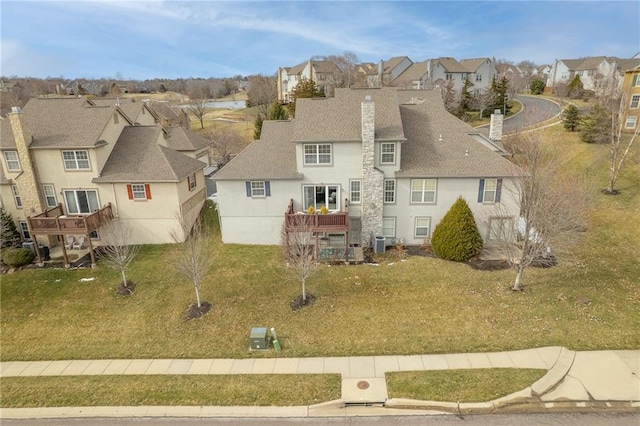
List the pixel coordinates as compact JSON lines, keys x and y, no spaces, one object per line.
{"x":448,"y":76}
{"x":191,"y":182}
{"x":388,"y":153}
{"x":139,"y":191}
{"x":81,"y":201}
{"x":464,"y":76}
{"x":489,"y":190}
{"x":355,"y":191}
{"x":389,"y":191}
{"x":636,"y":80}
{"x":13,"y":164}
{"x":478,"y":78}
{"x":16,"y":196}
{"x":258,"y":188}
{"x":24,"y":230}
{"x":635,"y":100}
{"x":49,"y":195}
{"x":423,"y":191}
{"x":630,"y":123}
{"x":317,"y":154}
{"x":321,"y":195}
{"x":422,"y":227}
{"x":389,"y":227}
{"x":500,"y":227}
{"x":76,"y":160}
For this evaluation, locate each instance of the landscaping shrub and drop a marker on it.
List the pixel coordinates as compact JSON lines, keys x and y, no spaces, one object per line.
{"x":456,"y":237}
{"x":17,"y":256}
{"x":537,"y":86}
{"x":10,"y":235}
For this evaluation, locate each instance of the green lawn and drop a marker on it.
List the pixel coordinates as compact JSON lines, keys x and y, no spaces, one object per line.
{"x":421,"y":305}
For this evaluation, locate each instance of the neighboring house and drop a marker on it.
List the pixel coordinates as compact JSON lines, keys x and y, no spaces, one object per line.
{"x":415,"y":77}
{"x":631,"y":90}
{"x":323,"y":73}
{"x":71,"y":166}
{"x":384,"y":162}
{"x":562,"y":71}
{"x":590,"y":70}
{"x":138,"y":112}
{"x":481,"y":73}
{"x":170,"y":116}
{"x":385,"y":73}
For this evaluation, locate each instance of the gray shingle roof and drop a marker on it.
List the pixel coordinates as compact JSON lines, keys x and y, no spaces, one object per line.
{"x":61,"y":123}
{"x":137,"y":157}
{"x":458,"y":154}
{"x":180,"y":139}
{"x":338,"y":118}
{"x":415,"y":72}
{"x":389,"y":65}
{"x":271,"y":157}
{"x":472,"y":65}
{"x":451,"y":65}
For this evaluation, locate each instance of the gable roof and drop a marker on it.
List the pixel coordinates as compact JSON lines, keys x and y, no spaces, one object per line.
{"x":571,"y":64}
{"x":389,"y":65}
{"x":338,"y":118}
{"x":180,"y":139}
{"x":62,"y":123}
{"x":271,"y":157}
{"x":451,"y":64}
{"x":129,"y":106}
{"x":472,"y":65}
{"x":416,"y":71}
{"x":458,"y":154}
{"x":137,"y":157}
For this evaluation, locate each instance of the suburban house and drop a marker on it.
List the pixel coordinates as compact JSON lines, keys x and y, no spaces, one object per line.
{"x":479,"y":72}
{"x":382,"y":162}
{"x":323,"y":73}
{"x":416,"y":77}
{"x":589,"y":70}
{"x":74,"y":165}
{"x":631,"y":90}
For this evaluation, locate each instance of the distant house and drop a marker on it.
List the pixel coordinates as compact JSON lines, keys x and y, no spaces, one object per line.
{"x":383,"y":162}
{"x":590,"y":70}
{"x":416,"y":77}
{"x":73,"y":165}
{"x":323,"y":73}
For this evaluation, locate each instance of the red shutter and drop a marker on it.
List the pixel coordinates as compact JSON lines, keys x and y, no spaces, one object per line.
{"x":147,"y":190}
{"x":130,"y":192}
{"x":188,"y":186}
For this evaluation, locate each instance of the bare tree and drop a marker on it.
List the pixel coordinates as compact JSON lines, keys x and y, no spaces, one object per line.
{"x":481,"y":102}
{"x":198,"y":103}
{"x":298,"y":248}
{"x":225,"y":143}
{"x":191,"y":256}
{"x":262,"y":91}
{"x":552,"y":205}
{"x":118,"y":252}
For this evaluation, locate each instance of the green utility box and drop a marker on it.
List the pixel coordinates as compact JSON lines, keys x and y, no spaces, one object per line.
{"x":258,"y":340}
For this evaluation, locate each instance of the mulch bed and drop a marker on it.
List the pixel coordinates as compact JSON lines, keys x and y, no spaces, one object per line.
{"x":297,"y":303}
{"x":196,"y":312}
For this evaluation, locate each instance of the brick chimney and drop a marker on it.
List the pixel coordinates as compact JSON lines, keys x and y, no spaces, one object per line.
{"x":27,"y":180}
{"x":495,"y":128}
{"x":372,"y":178}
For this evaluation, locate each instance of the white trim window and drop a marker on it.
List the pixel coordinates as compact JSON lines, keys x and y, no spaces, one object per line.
{"x":355,"y":191}
{"x":16,"y":196}
{"x":49,"y":193}
{"x":24,"y":230}
{"x":81,"y":201}
{"x":388,"y":153}
{"x":489,"y":191}
{"x":422,"y":227}
{"x":500,"y":228}
{"x":138,"y":191}
{"x":635,"y":101}
{"x":315,"y":153}
{"x":636,"y":80}
{"x":191,"y":182}
{"x":321,"y":195}
{"x":389,"y":191}
{"x":258,"y":188}
{"x":389,"y":227}
{"x":76,"y":160}
{"x":12,"y":160}
{"x":423,"y":191}
{"x":630,"y":123}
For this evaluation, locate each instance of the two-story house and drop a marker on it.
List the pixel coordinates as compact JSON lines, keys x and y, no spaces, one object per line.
{"x":72,"y":165}
{"x":323,"y":73}
{"x":382,"y":161}
{"x":631,"y":91}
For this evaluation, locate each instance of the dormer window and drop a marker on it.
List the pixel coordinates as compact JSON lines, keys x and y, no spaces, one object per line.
{"x":13,"y":163}
{"x":76,"y":160}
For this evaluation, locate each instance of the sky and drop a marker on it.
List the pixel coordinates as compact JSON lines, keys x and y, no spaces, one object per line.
{"x":179,"y":39}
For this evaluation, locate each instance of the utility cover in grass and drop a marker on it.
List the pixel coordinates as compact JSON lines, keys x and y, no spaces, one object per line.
{"x":456,"y":237}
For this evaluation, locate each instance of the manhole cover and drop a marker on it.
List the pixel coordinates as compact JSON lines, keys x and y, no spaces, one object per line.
{"x":363,"y":385}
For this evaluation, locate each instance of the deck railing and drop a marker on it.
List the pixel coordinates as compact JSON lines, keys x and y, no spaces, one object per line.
{"x":53,"y":222}
{"x":337,"y":221}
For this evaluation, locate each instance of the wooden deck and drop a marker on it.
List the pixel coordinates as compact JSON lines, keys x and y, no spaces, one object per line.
{"x":53,"y":222}
{"x":337,"y":222}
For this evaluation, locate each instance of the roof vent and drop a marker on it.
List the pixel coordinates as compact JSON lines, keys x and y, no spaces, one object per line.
{"x":440,"y":137}
{"x":16,"y":110}
{"x":367,"y":98}
{"x":466,"y":152}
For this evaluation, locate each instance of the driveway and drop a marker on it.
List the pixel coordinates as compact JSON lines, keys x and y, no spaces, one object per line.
{"x":535,"y":110}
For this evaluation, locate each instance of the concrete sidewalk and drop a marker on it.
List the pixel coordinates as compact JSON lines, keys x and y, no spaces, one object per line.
{"x":574,"y":379}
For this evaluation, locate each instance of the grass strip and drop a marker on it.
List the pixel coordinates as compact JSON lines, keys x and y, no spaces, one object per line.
{"x":223,"y":390}
{"x":477,"y":385}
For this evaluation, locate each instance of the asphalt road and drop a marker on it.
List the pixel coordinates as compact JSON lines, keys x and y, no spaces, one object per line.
{"x":556,"y":419}
{"x":536,"y":110}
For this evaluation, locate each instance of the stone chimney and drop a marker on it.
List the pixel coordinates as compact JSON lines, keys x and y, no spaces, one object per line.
{"x":372,"y":178}
{"x":495,"y":128}
{"x":27,"y":180}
